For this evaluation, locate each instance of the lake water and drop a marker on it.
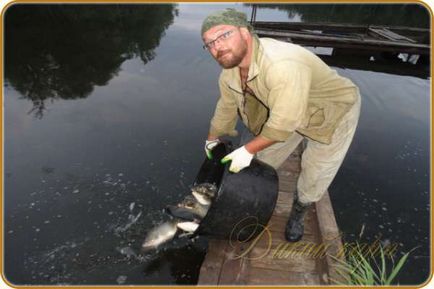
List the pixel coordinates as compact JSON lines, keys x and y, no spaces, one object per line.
{"x":105,"y":115}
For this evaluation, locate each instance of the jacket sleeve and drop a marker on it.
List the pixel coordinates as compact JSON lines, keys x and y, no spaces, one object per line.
{"x":289,"y":85}
{"x":225,"y":115}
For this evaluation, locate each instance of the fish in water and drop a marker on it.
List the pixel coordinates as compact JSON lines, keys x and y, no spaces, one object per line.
{"x":188,"y":214}
{"x":204,"y":193}
{"x":188,"y":209}
{"x":188,"y":227}
{"x":166,"y":232}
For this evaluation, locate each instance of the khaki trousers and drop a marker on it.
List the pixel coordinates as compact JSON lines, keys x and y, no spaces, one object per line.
{"x":319,"y":162}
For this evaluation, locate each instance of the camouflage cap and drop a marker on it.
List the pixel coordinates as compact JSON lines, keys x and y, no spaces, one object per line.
{"x":226,"y":17}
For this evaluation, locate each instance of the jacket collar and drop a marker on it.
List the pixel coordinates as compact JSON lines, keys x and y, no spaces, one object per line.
{"x":235,"y":81}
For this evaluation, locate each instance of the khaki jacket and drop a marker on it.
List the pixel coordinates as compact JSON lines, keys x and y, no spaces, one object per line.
{"x":291,"y":90}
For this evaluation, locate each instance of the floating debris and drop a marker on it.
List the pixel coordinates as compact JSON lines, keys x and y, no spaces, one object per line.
{"x":121,"y":279}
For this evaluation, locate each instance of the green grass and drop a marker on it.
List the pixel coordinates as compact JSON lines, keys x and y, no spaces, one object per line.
{"x":368,"y":269}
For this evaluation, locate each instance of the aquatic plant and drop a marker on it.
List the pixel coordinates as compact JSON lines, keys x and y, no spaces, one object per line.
{"x":361,"y":269}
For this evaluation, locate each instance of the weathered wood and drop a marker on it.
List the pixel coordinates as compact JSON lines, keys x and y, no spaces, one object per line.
{"x":212,"y":264}
{"x":350,"y":28}
{"x":260,"y":276}
{"x":386,"y":33}
{"x":287,"y":185}
{"x":282,"y":252}
{"x":317,"y":39}
{"x":234,"y":268}
{"x":330,"y":237}
{"x":289,"y":265}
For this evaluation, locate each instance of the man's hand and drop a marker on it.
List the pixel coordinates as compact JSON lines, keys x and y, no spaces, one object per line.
{"x":209,"y":145}
{"x":240,"y":158}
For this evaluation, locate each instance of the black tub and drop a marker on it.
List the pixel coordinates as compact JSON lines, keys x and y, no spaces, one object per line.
{"x":244,"y":202}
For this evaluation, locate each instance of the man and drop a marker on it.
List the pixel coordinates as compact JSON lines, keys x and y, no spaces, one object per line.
{"x":283,"y":93}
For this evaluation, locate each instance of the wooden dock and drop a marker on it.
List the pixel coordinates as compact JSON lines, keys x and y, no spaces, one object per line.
{"x":270,"y":259}
{"x":362,"y":47}
{"x":347,"y":36}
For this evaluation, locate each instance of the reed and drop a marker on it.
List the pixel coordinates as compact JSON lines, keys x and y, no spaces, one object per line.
{"x":368,"y":269}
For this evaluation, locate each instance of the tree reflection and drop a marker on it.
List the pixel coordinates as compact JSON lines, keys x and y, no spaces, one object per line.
{"x":412,"y":15}
{"x":63,"y":51}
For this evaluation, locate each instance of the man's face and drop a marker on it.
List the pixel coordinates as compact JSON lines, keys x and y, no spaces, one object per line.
{"x":229,"y":47}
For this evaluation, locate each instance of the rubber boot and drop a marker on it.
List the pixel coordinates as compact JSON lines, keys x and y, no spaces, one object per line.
{"x":295,"y":227}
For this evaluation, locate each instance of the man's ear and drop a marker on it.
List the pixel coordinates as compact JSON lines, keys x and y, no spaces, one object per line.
{"x":244,"y":32}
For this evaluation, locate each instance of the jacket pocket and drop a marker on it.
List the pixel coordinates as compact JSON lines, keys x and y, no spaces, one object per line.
{"x":316,"y":117}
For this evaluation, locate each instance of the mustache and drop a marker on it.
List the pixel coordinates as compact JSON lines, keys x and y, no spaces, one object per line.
{"x":222,"y":53}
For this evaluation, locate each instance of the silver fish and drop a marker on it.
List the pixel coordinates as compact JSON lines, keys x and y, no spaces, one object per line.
{"x":185,"y":213}
{"x":204,"y":193}
{"x":166,"y":232}
{"x":159,"y":235}
{"x":188,"y":227}
{"x":191,"y":204}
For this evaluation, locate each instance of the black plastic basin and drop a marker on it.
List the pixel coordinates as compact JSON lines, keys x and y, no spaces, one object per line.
{"x":244,"y":202}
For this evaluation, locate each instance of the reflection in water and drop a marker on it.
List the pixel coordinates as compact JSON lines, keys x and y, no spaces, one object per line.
{"x":412,"y":15}
{"x":63,"y":51}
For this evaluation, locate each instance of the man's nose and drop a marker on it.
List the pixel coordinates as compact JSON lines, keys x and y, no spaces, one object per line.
{"x":218,"y":44}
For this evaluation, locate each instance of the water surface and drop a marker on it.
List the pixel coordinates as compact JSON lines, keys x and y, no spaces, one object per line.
{"x":106,"y":111}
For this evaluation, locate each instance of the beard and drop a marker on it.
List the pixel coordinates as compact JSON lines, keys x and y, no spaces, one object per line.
{"x":231,"y":58}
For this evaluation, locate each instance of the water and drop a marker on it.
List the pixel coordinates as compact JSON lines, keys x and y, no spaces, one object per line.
{"x":106,"y":111}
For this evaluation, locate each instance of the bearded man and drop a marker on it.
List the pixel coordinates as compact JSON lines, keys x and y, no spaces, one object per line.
{"x":284,"y":94}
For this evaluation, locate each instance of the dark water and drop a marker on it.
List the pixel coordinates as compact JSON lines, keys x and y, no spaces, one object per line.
{"x":106,"y":111}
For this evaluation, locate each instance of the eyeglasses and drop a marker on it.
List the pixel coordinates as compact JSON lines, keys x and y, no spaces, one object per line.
{"x":212,"y":43}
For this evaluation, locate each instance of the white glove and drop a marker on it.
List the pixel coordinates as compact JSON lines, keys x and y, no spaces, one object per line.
{"x":240,"y":158}
{"x":209,"y":145}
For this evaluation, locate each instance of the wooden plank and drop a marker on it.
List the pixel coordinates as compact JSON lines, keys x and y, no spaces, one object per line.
{"x":330,"y":236}
{"x":386,"y":33}
{"x":319,"y":38}
{"x":212,"y":264}
{"x":345,"y":42}
{"x":283,"y":203}
{"x":406,"y":30}
{"x":280,"y":249}
{"x":300,"y":265}
{"x":351,"y":28}
{"x":260,"y":276}
{"x":287,"y":185}
{"x":234,"y":267}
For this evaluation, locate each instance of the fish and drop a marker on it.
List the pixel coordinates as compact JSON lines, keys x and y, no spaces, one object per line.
{"x":204,"y":193}
{"x":187,"y":214}
{"x":166,"y":232}
{"x":159,"y":235}
{"x":189,"y":209}
{"x":189,"y":227}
